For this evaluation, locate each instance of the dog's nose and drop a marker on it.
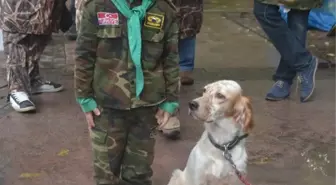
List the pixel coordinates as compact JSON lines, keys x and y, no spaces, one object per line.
{"x":193,"y":105}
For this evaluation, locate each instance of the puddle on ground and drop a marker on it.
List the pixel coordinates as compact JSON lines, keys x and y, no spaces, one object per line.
{"x":318,"y":165}
{"x":314,"y":166}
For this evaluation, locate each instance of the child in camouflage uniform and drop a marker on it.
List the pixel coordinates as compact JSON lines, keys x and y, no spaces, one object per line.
{"x":126,"y":82}
{"x":171,"y":129}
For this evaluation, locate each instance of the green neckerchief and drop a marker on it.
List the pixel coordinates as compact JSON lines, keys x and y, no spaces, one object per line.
{"x":134,"y":16}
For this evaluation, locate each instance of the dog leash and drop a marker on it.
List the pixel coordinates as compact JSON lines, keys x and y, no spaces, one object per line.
{"x":226,"y":148}
{"x":228,"y":157}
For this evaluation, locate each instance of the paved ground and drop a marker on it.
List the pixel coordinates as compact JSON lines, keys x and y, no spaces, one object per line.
{"x":292,"y":143}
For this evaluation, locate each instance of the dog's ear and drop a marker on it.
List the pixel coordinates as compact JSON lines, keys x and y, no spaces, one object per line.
{"x":243,"y":113}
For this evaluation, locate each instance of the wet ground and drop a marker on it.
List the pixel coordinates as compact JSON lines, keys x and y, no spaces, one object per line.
{"x":240,"y":12}
{"x":292,"y":143}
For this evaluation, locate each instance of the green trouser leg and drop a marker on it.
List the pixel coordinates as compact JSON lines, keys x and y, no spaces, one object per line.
{"x":123,"y":146}
{"x":139,"y":153}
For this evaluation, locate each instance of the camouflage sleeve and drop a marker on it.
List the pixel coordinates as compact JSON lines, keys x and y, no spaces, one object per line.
{"x":171,"y":63}
{"x":86,"y":46}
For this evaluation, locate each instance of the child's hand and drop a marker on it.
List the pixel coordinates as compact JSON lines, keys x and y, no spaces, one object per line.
{"x":162,"y":117}
{"x":89,"y":117}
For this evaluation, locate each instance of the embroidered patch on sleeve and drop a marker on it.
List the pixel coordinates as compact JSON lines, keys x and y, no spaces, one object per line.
{"x":153,"y":20}
{"x":105,"y":18}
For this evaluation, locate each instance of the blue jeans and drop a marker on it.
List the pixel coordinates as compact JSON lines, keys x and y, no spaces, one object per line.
{"x":288,"y":38}
{"x":187,"y":53}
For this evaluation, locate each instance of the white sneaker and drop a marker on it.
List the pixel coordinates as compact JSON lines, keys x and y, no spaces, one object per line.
{"x":21,"y":102}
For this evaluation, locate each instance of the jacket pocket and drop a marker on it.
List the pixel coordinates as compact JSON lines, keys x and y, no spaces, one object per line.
{"x":109,"y":32}
{"x":152,"y":47}
{"x":109,"y":42}
{"x":98,"y":136}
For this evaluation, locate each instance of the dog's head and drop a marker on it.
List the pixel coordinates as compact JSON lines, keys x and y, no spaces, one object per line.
{"x":220,"y":100}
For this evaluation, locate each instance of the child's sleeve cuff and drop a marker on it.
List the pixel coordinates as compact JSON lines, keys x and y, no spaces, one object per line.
{"x":87,"y":104}
{"x":169,"y":107}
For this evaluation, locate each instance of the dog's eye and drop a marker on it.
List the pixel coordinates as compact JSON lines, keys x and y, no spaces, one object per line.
{"x":220,"y":96}
{"x":204,"y":90}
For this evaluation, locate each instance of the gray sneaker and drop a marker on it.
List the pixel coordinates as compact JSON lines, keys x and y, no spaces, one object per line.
{"x":46,"y":87}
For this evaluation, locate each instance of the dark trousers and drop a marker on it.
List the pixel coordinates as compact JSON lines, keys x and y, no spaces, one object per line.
{"x":73,"y":11}
{"x":288,"y":38}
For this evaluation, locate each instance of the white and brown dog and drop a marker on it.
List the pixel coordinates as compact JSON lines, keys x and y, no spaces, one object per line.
{"x":227,"y":117}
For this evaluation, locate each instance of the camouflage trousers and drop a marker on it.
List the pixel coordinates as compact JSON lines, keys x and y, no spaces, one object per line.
{"x":123,"y":146}
{"x":23,"y":52}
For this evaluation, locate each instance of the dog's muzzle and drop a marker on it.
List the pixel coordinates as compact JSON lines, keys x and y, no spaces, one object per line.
{"x":193,"y":105}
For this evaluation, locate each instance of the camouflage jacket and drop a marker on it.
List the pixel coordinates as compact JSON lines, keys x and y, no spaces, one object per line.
{"x":296,"y":4}
{"x":191,"y":16}
{"x":30,"y":17}
{"x":103,"y":67}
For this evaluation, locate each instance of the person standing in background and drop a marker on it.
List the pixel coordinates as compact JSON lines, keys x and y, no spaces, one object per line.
{"x":27,"y":27}
{"x":290,"y":40}
{"x":191,"y":19}
{"x":72,"y":33}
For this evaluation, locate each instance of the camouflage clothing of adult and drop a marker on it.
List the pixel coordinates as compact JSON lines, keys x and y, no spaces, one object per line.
{"x":23,"y":53}
{"x":30,"y":17}
{"x":295,"y":4}
{"x":191,"y":16}
{"x":123,"y":146}
{"x":104,"y":69}
{"x":27,"y":27}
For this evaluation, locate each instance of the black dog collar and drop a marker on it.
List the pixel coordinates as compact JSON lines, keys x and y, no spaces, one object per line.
{"x":229,"y":145}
